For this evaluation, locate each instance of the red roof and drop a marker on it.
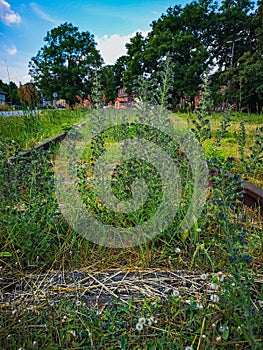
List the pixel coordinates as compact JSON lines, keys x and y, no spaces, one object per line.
{"x":121,"y":99}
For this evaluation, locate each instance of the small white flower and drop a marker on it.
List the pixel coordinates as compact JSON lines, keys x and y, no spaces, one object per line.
{"x":78,"y":303}
{"x":175,"y":293}
{"x":34,"y":343}
{"x":214,"y":298}
{"x":218,"y":339}
{"x":150,"y":321}
{"x":203,"y":277}
{"x":142,"y":320}
{"x":220,"y":277}
{"x":200,"y":306}
{"x":213,"y":286}
{"x":73,"y":333}
{"x":177,"y":250}
{"x":188,"y":348}
{"x":198,"y":230}
{"x":139,"y":326}
{"x":222,"y":329}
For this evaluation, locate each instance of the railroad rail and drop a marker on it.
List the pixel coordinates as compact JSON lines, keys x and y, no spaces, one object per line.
{"x":253,"y":196}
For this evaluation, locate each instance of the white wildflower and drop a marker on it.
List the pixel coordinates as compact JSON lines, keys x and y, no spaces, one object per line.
{"x":188,"y":348}
{"x":213,"y":286}
{"x":220,"y":277}
{"x":150,"y":321}
{"x":203,"y":277}
{"x":222,"y":329}
{"x":142,"y":320}
{"x":175,"y":293}
{"x":139,"y":326}
{"x":200,"y":306}
{"x":214,"y":298}
{"x":177,"y":250}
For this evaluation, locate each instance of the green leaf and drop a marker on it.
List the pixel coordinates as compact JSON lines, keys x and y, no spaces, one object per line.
{"x":5,"y":255}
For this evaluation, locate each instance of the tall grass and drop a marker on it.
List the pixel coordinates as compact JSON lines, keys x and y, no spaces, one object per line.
{"x":29,"y":129}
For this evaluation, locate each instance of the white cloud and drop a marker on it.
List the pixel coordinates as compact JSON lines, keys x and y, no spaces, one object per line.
{"x":112,"y":47}
{"x":42,"y":14}
{"x":8,"y":16}
{"x":11,"y":50}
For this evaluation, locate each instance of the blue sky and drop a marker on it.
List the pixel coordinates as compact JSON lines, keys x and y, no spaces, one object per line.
{"x":24,"y":24}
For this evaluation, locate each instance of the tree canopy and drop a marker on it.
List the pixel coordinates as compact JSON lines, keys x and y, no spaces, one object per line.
{"x":225,"y":40}
{"x":11,"y":91}
{"x":65,"y":64}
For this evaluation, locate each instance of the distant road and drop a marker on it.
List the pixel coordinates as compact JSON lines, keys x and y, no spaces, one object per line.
{"x":17,"y":113}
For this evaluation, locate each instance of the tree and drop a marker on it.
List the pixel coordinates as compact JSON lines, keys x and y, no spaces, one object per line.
{"x":135,"y":63}
{"x":243,"y":72}
{"x":183,"y":35}
{"x":28,"y":95}
{"x":11,"y":90}
{"x":233,"y":33}
{"x":119,"y":68}
{"x":258,"y":22}
{"x":108,"y":83}
{"x":65,"y":64}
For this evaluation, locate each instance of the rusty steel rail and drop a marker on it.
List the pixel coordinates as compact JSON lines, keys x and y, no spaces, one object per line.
{"x":253,"y":196}
{"x":44,"y":144}
{"x":48,"y":142}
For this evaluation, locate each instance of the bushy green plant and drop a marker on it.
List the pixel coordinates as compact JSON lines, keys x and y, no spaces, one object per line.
{"x":201,"y":121}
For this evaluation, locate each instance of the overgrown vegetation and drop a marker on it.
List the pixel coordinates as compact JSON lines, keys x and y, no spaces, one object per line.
{"x":224,"y":247}
{"x":55,"y":289}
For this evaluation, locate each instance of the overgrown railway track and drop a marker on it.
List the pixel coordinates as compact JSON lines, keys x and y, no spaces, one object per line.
{"x":252,"y":195}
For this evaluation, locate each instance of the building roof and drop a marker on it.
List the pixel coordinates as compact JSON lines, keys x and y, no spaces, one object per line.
{"x":121,"y":99}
